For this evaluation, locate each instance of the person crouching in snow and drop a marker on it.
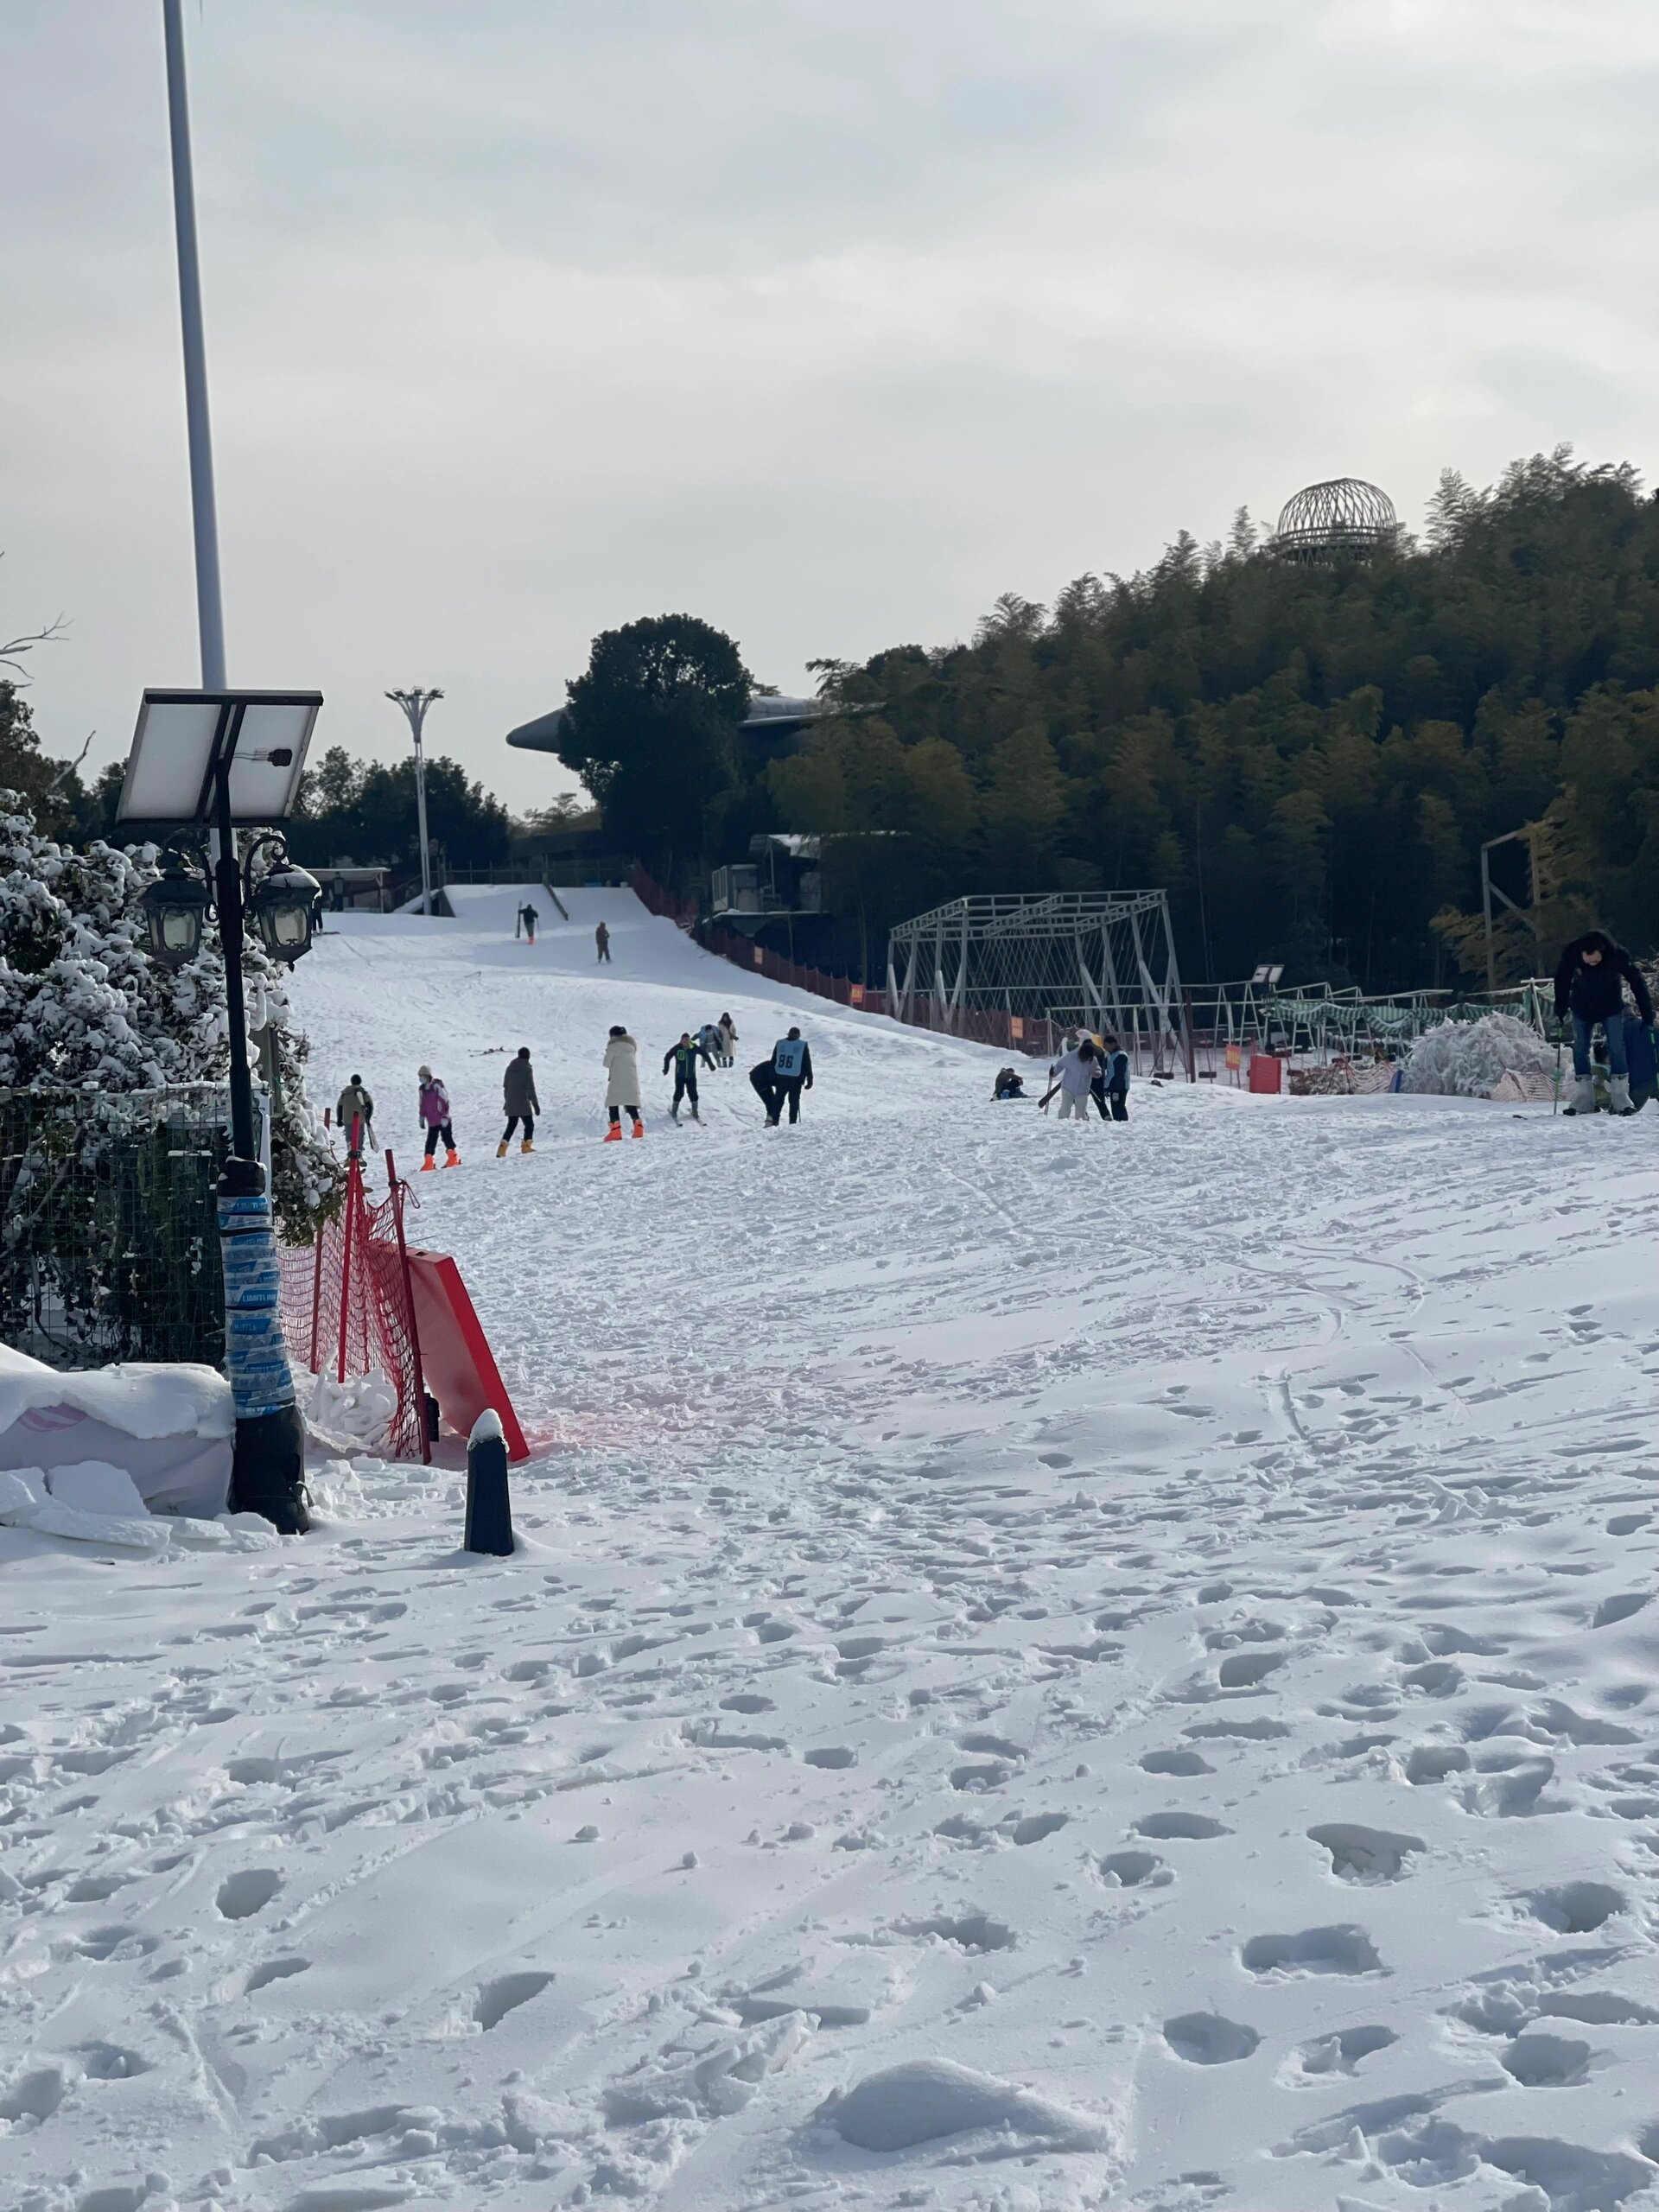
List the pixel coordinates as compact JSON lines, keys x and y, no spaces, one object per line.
{"x":622,"y":1086}
{"x":1073,"y":1077}
{"x":435,"y":1120}
{"x":519,"y":1101}
{"x":1590,"y":984}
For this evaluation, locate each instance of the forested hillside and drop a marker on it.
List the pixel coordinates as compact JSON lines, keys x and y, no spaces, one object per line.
{"x":1308,"y":758}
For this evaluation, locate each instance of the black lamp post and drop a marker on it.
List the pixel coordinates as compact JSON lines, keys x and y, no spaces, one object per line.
{"x":218,"y":761}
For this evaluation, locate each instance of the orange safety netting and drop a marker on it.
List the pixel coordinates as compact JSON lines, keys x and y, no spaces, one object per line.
{"x":348,"y":1308}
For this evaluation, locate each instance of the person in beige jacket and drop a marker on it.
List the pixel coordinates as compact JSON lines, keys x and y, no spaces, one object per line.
{"x":622,"y":1086}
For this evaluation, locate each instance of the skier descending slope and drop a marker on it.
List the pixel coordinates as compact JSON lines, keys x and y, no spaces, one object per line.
{"x":519,"y":1101}
{"x":622,"y":1087}
{"x":684,"y":1057}
{"x":435,"y":1120}
{"x":784,"y":1077}
{"x":1590,"y":984}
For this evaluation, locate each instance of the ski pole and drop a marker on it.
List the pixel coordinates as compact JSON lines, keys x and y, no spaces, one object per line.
{"x":1555,"y":1107}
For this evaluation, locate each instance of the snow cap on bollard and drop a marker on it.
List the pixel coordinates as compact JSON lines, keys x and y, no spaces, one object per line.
{"x":489,"y":1510}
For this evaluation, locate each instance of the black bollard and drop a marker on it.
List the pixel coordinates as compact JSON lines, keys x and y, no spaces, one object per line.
{"x":489,"y":1511}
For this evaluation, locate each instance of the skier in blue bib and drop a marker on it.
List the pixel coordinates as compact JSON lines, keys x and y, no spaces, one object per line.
{"x":784,"y":1077}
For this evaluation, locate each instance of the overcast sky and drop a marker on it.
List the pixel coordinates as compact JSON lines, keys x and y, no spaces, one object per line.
{"x":825,"y":320}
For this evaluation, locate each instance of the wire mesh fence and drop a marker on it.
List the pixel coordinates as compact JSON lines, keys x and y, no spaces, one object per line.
{"x":109,"y":1234}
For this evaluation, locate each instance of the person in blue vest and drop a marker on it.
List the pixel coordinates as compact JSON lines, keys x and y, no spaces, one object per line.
{"x":783,"y":1078}
{"x":1111,"y":1086}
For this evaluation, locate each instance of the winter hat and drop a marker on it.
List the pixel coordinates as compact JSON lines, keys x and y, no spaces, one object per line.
{"x":524,"y":1052}
{"x":425,"y":1074}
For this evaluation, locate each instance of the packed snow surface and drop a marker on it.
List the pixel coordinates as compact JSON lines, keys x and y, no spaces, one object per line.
{"x":1050,"y":1667}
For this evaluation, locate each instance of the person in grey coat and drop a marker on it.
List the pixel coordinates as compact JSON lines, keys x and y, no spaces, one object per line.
{"x":520,"y":1101}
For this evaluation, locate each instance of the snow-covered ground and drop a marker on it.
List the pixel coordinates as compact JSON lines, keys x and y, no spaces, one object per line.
{"x":1130,"y":1653}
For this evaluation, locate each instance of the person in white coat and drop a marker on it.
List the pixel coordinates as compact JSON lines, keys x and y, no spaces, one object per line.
{"x":1073,"y":1077}
{"x":622,"y":1086}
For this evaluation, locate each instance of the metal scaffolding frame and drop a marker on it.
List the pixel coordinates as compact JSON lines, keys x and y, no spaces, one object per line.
{"x":1112,"y":952}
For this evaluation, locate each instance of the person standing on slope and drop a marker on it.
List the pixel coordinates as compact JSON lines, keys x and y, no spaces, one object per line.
{"x":602,"y":944}
{"x":525,"y":919}
{"x":435,"y":1121}
{"x":709,"y":1042}
{"x":1111,"y":1084}
{"x":1074,"y":1076}
{"x":354,"y":1111}
{"x":729,"y":1039}
{"x":622,"y":1086}
{"x":783,"y":1078}
{"x":684,"y":1057}
{"x":519,"y":1101}
{"x":1590,"y":982}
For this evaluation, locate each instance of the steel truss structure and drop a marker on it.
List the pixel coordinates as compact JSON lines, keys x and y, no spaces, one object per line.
{"x":1110,"y":953}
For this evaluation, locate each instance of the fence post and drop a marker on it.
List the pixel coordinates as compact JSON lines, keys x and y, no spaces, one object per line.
{"x":353,"y":1189}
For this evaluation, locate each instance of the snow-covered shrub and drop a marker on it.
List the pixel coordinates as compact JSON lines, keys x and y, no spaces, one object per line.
{"x":82,"y":1005}
{"x":1469,"y":1060}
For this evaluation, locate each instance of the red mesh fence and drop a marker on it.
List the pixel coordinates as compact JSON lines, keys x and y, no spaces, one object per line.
{"x":347,"y":1306}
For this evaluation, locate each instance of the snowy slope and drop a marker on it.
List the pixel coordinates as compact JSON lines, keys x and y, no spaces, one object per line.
{"x":1130,"y":1652}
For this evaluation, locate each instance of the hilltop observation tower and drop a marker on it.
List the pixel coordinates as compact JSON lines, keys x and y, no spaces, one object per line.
{"x":1345,"y":519}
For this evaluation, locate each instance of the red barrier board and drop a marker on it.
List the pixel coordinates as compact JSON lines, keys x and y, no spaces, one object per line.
{"x":1267,"y":1074}
{"x":460,"y":1367}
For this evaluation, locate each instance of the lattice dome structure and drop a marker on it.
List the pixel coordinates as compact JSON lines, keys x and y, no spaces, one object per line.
{"x":1343,"y":520}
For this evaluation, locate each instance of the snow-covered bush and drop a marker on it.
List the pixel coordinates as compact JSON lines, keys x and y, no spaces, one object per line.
{"x":1469,"y":1060}
{"x":82,"y":1005}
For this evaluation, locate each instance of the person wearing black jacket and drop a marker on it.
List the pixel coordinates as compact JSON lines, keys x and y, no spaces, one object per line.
{"x":518,"y":1102}
{"x":1590,"y":983}
{"x":782,"y":1078}
{"x":684,"y":1057}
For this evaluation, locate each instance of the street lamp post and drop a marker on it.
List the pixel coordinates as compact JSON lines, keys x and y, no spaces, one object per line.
{"x":211,"y":762}
{"x":415,"y":704}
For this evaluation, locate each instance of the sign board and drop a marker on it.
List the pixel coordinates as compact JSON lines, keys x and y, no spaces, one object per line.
{"x":1266,"y":1073}
{"x":1234,"y":1059}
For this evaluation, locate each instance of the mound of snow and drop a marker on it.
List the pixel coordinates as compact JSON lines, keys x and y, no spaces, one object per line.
{"x":927,"y":2098}
{"x":1470,"y":1059}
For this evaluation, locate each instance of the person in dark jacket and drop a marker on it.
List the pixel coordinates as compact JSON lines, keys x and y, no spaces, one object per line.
{"x":782,"y":1078}
{"x":1111,"y":1086}
{"x":602,"y":942}
{"x":1010,"y":1085}
{"x":1590,"y":982}
{"x":684,"y":1057}
{"x":519,"y":1101}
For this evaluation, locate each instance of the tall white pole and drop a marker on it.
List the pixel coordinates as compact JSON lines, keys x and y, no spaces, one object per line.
{"x":210,"y":611}
{"x":415,"y":704}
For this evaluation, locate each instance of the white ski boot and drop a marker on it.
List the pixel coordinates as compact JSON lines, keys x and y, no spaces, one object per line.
{"x":1583,"y":1100}
{"x":1618,"y":1095}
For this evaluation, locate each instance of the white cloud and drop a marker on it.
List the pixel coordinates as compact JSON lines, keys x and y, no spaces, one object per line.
{"x":823,"y":319}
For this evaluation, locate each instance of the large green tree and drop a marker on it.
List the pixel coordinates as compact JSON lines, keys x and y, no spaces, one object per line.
{"x":1309,"y":758}
{"x":650,"y":727}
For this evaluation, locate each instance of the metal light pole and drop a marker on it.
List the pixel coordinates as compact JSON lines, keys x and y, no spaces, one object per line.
{"x":269,"y":1469}
{"x":415,"y":704}
{"x":210,"y":610}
